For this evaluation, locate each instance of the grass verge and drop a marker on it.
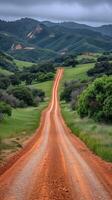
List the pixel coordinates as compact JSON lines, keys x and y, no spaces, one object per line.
{"x":15,"y":130}
{"x":97,"y":136}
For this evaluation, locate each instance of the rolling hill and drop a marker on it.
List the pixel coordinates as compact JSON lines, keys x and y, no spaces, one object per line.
{"x":31,"y":40}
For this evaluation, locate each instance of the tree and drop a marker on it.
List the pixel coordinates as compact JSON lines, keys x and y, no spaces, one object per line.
{"x":22,"y":93}
{"x":14,"y":80}
{"x":5,"y":109}
{"x":101,"y":68}
{"x":9,"y":99}
{"x":38,"y":93}
{"x":96,"y":100}
{"x":4,"y":81}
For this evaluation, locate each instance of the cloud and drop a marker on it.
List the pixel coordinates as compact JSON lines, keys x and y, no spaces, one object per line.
{"x":59,"y":10}
{"x":37,"y":2}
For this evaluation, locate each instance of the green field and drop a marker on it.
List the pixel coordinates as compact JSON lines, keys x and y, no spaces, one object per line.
{"x":45,"y":86}
{"x":76,"y":73}
{"x":5,"y":72}
{"x":25,"y":119}
{"x":89,"y":56}
{"x":98,"y":137}
{"x":22,"y":121}
{"x":21,"y":64}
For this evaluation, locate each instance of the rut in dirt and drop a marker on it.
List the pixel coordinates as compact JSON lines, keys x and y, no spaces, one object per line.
{"x":57,"y":165}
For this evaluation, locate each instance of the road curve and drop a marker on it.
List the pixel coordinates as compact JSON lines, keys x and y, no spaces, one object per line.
{"x":57,"y":166}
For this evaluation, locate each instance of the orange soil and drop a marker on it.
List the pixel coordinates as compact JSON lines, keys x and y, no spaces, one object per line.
{"x":55,"y":165}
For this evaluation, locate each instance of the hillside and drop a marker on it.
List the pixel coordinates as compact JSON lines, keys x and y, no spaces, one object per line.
{"x":7,"y":63}
{"x":31,"y":40}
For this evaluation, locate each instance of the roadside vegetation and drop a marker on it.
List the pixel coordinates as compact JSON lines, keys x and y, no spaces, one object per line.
{"x":24,"y":93}
{"x":86,"y":100}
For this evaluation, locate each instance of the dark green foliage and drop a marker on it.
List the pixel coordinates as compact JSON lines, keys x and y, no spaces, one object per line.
{"x":4,"y":81}
{"x":38,"y":73}
{"x":87,"y":60}
{"x":101,"y":68}
{"x":5,"y":109}
{"x":103,"y":58}
{"x":41,"y":76}
{"x":34,"y":55}
{"x":71,"y":91}
{"x":14,"y":80}
{"x":9,"y":99}
{"x":96,"y":100}
{"x":106,"y":56}
{"x":46,"y":67}
{"x":23,"y":94}
{"x":26,"y":96}
{"x":27,"y":77}
{"x":38,"y":93}
{"x":70,"y":61}
{"x":66,"y":60}
{"x":52,"y":40}
{"x":6,"y":62}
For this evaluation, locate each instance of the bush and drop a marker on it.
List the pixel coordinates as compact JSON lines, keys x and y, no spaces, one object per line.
{"x":103,"y":58}
{"x":22,"y":96}
{"x":4,"y":81}
{"x":9,"y":99}
{"x":96,"y":100}
{"x":101,"y":68}
{"x":71,"y":90}
{"x":14,"y":80}
{"x":86,"y":60}
{"x":38,"y":93}
{"x":37,"y":100}
{"x":5,"y":109}
{"x":22,"y":93}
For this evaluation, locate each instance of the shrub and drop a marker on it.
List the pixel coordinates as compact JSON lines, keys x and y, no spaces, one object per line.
{"x":38,"y":93}
{"x":101,"y":68}
{"x":22,"y":93}
{"x":5,"y":109}
{"x":96,"y":100}
{"x":9,"y":99}
{"x":4,"y":81}
{"x":37,"y":100}
{"x":71,"y":90}
{"x":14,"y":80}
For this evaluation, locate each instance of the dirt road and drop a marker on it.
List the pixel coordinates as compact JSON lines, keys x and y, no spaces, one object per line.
{"x":57,"y":165}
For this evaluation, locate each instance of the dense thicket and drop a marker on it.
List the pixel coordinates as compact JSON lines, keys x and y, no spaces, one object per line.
{"x":5,"y":109}
{"x":96,"y":100}
{"x":26,"y":96}
{"x":66,"y":60}
{"x":71,"y":91}
{"x":100,"y":69}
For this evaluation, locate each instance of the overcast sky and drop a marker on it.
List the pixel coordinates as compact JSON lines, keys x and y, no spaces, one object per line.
{"x":92,"y":12}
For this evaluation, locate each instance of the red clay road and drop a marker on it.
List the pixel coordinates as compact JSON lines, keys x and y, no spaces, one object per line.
{"x":57,"y":166}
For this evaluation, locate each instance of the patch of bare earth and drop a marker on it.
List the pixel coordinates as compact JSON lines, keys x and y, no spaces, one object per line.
{"x":11,"y":146}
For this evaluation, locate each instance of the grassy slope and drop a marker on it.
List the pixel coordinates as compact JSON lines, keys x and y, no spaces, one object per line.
{"x":45,"y":86}
{"x":21,"y":121}
{"x":5,"y":72}
{"x":78,"y":72}
{"x":98,"y":137}
{"x":21,"y":64}
{"x":89,"y":56}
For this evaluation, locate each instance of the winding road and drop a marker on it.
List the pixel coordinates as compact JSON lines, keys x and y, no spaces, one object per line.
{"x":57,"y":165}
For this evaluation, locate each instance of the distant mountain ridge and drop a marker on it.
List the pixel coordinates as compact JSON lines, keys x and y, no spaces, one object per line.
{"x":42,"y":40}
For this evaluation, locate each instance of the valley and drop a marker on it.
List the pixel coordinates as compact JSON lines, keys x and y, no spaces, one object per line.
{"x":55,"y":111}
